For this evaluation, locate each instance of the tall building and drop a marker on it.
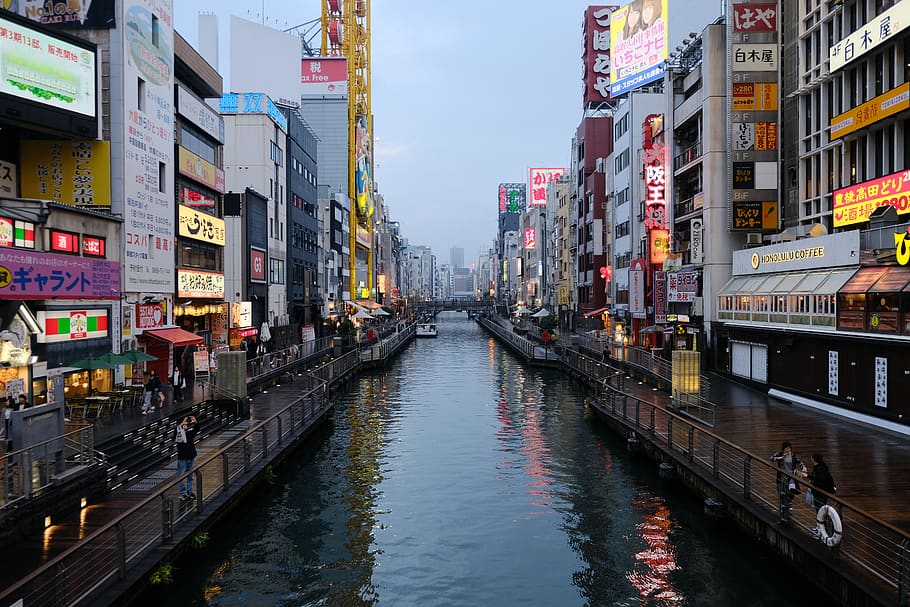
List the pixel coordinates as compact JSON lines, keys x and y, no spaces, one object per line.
{"x":456,"y":257}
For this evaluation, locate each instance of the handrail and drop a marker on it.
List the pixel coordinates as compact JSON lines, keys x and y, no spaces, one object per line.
{"x":875,"y":549}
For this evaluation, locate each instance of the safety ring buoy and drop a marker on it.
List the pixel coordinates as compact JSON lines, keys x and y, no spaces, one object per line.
{"x":828,"y":513}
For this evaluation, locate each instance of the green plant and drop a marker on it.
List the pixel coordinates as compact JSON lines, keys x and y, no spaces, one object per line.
{"x":164,"y":574}
{"x":346,"y":327}
{"x":200,"y":540}
{"x":548,"y":322}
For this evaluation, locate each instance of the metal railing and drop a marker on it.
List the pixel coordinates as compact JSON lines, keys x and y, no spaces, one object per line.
{"x":871,"y":549}
{"x":389,"y":344}
{"x":506,"y":333}
{"x":26,"y":472}
{"x":77,"y":575}
{"x":272,"y":361}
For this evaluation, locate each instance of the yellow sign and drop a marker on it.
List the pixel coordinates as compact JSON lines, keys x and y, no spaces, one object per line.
{"x":752,"y":96}
{"x":68,"y":172}
{"x":200,"y":226}
{"x":200,"y":284}
{"x":191,"y":165}
{"x":893,"y":102}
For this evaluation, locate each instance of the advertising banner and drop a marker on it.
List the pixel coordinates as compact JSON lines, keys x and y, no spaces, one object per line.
{"x":148,"y":136}
{"x":200,"y":226}
{"x":660,"y":298}
{"x":888,"y":104}
{"x":637,"y":293}
{"x":530,"y":238}
{"x":659,"y":245}
{"x":854,"y":204}
{"x":241,"y":314}
{"x":201,"y":170}
{"x":253,"y":103}
{"x":46,"y":70}
{"x":638,"y":45}
{"x":68,"y":325}
{"x":870,"y":35}
{"x":596,"y":54}
{"x":257,"y":265}
{"x":512,"y":197}
{"x":200,"y":284}
{"x":150,"y":316}
{"x":34,"y":275}
{"x":538,"y":180}
{"x":363,"y":169}
{"x":68,"y":172}
{"x":86,"y":14}
{"x":324,"y":77}
{"x":200,"y":114}
{"x":682,"y":286}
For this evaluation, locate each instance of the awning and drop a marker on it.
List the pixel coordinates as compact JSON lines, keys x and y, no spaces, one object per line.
{"x":597,"y":312}
{"x":893,"y":281}
{"x":826,"y":282}
{"x":176,"y":336}
{"x":862,"y":280}
{"x":369,"y":304}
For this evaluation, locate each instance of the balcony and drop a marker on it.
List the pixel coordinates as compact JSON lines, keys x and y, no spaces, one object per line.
{"x":690,"y":154}
{"x":685,"y":207}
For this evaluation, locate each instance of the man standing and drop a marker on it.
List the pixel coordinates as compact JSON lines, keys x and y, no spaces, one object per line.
{"x":186,"y":453}
{"x":152,"y":387}
{"x":179,"y":383}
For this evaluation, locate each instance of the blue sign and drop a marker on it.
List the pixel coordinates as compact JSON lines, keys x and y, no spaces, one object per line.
{"x":252,"y":103}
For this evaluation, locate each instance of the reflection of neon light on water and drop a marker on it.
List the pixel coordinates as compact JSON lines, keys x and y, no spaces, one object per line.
{"x":658,"y":559}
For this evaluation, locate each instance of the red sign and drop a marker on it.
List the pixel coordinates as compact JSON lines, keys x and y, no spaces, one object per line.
{"x":530,"y":238}
{"x":64,"y":242}
{"x":596,"y":54}
{"x":192,"y":198}
{"x":257,"y":265}
{"x":755,"y":17}
{"x":93,"y":246}
{"x":149,"y":316}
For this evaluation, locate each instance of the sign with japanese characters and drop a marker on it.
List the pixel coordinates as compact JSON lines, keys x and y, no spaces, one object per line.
{"x":682,"y":286}
{"x":530,"y":238}
{"x":68,"y":325}
{"x":596,"y":54}
{"x":36,"y":275}
{"x":87,"y":14}
{"x":655,"y":185}
{"x":637,"y":293}
{"x":893,"y":102}
{"x":877,"y":31}
{"x":200,"y":114}
{"x":9,"y":184}
{"x":853,"y":204}
{"x":755,"y":57}
{"x":752,"y":96}
{"x":324,"y":76}
{"x":147,"y":196}
{"x":201,"y":170}
{"x":253,"y":103}
{"x":755,"y":17}
{"x":150,"y":316}
{"x":47,"y":70}
{"x":659,"y":245}
{"x":200,"y":226}
{"x":538,"y":180}
{"x":512,"y":197}
{"x":200,"y":284}
{"x":638,"y":45}
{"x":755,"y":216}
{"x":68,"y":172}
{"x":660,"y":298}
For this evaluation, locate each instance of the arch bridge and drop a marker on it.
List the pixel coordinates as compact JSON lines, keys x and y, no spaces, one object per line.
{"x":470,"y":305}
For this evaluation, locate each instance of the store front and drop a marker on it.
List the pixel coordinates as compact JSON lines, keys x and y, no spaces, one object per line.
{"x":168,"y":345}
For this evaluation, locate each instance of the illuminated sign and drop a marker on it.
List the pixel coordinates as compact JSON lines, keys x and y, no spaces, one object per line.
{"x":655,"y":186}
{"x":682,"y":286}
{"x":191,"y":165}
{"x":512,"y":197}
{"x":538,"y":179}
{"x":14,"y":232}
{"x":47,"y":70}
{"x":70,"y":325}
{"x":68,"y":172}
{"x":64,"y":242}
{"x":93,"y":246}
{"x":881,"y":29}
{"x":194,"y":198}
{"x":893,"y":102}
{"x":752,"y":96}
{"x":755,"y":17}
{"x":200,"y":226}
{"x":659,"y":241}
{"x":200,"y":284}
{"x":755,"y":57}
{"x":35,"y":275}
{"x":324,"y":76}
{"x":596,"y":55}
{"x":257,"y":265}
{"x":76,"y":14}
{"x":530,"y":238}
{"x":696,"y":241}
{"x":855,"y":203}
{"x":253,"y":103}
{"x":638,"y":45}
{"x":241,"y":314}
{"x":660,"y":297}
{"x":755,"y":215}
{"x":838,"y":250}
{"x":363,"y":236}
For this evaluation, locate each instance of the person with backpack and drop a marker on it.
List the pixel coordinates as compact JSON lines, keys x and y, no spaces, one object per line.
{"x":822,"y":479}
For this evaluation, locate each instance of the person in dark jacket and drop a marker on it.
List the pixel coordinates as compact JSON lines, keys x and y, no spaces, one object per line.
{"x":822,"y":479}
{"x":787,"y":461}
{"x":152,"y":388}
{"x":186,"y":453}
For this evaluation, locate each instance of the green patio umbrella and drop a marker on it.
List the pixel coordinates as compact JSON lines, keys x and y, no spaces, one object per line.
{"x":108,"y":360}
{"x":137,"y":356}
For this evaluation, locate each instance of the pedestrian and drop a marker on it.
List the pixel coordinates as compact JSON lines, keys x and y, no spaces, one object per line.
{"x":787,"y":487}
{"x":821,"y":479}
{"x":8,"y":422}
{"x":178,"y":380}
{"x":152,"y":388}
{"x":23,"y":402}
{"x":186,"y":453}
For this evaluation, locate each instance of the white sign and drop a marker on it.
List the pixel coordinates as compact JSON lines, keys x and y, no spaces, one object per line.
{"x":872,"y":34}
{"x":682,"y":286}
{"x":696,"y":242}
{"x":637,"y":293}
{"x":200,"y":114}
{"x":881,"y":381}
{"x":148,"y":155}
{"x":9,"y":185}
{"x":755,"y":58}
{"x":831,"y":251}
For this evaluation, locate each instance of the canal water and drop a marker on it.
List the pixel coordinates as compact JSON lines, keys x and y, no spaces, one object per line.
{"x":460,"y":476}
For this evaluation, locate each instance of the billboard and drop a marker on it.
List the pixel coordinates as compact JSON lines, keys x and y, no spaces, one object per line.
{"x":596,"y":54}
{"x":68,"y":172}
{"x":87,"y":14}
{"x":191,"y":283}
{"x":638,"y":45}
{"x":530,"y":238}
{"x":36,"y":275}
{"x":538,"y":180}
{"x":854,"y":204}
{"x":201,"y":226}
{"x":324,"y":77}
{"x":252,"y":103}
{"x":148,"y":141}
{"x":887,"y":104}
{"x":870,"y":35}
{"x":363,"y":170}
{"x":47,"y":70}
{"x":513,"y":197}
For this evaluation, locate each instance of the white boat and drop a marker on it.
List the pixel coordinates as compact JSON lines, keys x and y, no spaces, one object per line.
{"x":426,"y":329}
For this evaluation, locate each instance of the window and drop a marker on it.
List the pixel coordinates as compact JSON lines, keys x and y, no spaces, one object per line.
{"x":193,"y":140}
{"x":156,"y":31}
{"x":276,"y":271}
{"x":276,"y":154}
{"x":162,"y":177}
{"x":201,"y":256}
{"x":140,"y":92}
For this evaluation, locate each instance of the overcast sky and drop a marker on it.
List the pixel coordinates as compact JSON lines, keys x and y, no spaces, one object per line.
{"x":466,"y":95}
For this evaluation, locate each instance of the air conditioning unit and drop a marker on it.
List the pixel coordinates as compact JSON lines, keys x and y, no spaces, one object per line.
{"x":753,"y":238}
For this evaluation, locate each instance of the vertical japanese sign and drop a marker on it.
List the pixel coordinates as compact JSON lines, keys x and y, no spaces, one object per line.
{"x":638,"y":45}
{"x":596,"y":54}
{"x":530,"y":238}
{"x":754,"y":51}
{"x":537,"y":184}
{"x":512,"y":197}
{"x":68,"y":172}
{"x":148,"y":140}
